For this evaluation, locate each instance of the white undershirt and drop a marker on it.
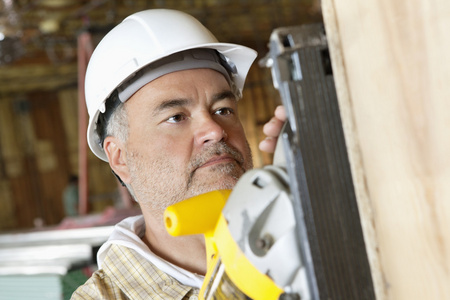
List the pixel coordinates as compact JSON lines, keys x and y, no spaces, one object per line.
{"x":128,"y":233}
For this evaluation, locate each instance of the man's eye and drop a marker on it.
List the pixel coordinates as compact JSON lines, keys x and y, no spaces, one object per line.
{"x":224,"y":111}
{"x":176,"y":118}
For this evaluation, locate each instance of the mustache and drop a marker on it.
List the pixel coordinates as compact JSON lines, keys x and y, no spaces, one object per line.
{"x":216,"y":149}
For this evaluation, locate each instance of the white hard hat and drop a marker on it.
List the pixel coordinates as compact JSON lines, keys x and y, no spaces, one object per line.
{"x":141,"y":39}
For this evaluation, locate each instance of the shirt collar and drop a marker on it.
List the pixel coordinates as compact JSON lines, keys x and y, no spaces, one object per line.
{"x":140,"y":279}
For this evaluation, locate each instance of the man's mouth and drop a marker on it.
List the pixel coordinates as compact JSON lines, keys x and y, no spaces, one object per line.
{"x":220,"y":153}
{"x":225,"y":158}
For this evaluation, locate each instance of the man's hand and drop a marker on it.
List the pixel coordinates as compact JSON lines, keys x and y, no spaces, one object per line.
{"x":272,"y":130}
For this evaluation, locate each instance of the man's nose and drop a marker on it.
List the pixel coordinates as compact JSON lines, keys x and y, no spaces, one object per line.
{"x":208,"y":131}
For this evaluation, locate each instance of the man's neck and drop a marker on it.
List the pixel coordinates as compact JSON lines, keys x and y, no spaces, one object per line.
{"x":187,"y":252}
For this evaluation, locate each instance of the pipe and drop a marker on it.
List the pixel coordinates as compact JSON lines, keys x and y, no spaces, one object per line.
{"x":85,"y":50}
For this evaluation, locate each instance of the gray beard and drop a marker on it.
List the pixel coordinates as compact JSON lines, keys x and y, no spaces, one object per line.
{"x":156,"y":191}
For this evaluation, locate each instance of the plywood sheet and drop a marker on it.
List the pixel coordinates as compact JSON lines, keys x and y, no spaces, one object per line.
{"x":391,"y":66}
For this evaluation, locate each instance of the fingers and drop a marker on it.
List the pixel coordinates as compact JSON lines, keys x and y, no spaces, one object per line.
{"x":280,"y":113}
{"x":273,"y":127}
{"x":268,"y":144}
{"x":272,"y":130}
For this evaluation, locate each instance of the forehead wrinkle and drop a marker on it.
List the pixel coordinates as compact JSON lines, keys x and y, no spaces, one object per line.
{"x":182,"y":102}
{"x":227,"y":94}
{"x":171,"y":103}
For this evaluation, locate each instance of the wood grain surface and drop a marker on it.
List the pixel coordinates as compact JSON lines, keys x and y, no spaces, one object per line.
{"x":392,"y":71}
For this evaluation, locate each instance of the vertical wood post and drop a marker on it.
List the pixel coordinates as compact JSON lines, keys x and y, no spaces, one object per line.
{"x":85,"y":50}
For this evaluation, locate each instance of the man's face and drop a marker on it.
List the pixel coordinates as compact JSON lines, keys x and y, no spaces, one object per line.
{"x":185,"y":138}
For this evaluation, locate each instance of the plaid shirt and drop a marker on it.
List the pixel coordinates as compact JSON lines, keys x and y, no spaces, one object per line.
{"x":127,"y":275}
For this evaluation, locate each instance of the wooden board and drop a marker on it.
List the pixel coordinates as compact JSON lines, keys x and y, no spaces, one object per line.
{"x":392,"y":72}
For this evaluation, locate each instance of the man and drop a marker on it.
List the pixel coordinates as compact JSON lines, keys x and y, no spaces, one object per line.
{"x":162,"y":97}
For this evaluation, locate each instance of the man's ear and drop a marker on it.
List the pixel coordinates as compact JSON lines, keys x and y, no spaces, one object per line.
{"x":115,"y":151}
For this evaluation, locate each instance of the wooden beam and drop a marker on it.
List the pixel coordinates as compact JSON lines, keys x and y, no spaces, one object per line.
{"x":85,"y":49}
{"x":393,"y":87}
{"x":22,"y":79}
